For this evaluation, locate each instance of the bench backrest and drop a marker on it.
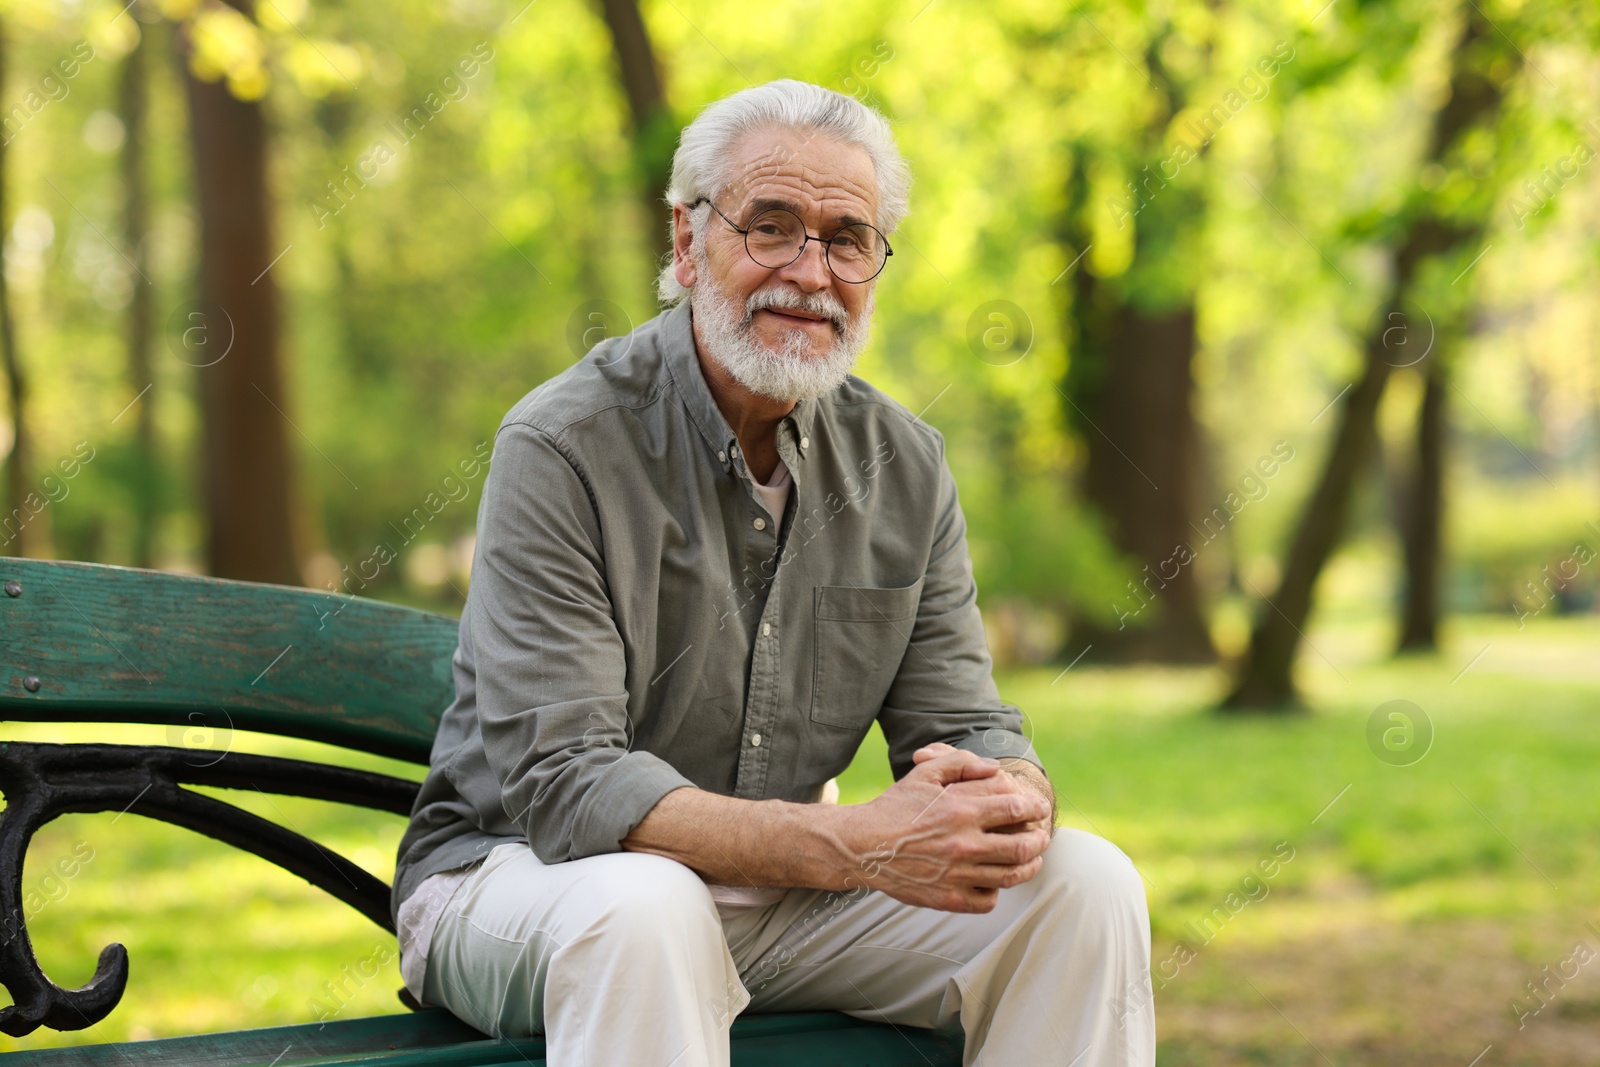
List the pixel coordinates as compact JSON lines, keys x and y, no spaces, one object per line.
{"x":83,"y":642}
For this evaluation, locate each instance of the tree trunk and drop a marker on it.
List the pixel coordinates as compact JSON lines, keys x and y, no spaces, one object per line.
{"x":1129,"y":391}
{"x":654,"y":132}
{"x":131,"y":106}
{"x":247,"y":474}
{"x":1140,"y":472}
{"x":1265,"y":680}
{"x":1421,"y":515}
{"x":16,"y":531}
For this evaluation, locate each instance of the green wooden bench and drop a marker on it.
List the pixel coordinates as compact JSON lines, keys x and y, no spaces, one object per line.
{"x":83,"y":643}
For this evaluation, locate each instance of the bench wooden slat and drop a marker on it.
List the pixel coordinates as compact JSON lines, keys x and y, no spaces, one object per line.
{"x":437,"y":1039}
{"x":114,"y":644}
{"x":340,"y":1037}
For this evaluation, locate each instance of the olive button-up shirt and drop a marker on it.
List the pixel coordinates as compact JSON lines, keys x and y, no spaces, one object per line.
{"x":634,"y":626}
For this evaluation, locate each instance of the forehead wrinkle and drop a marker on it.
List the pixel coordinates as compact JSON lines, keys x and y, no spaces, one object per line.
{"x":854,"y":198}
{"x":770,"y":162}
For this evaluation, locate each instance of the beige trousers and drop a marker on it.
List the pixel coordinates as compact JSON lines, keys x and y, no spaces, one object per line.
{"x":623,"y":959}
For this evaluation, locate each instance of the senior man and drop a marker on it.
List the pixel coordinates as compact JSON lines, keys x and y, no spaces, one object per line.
{"x":708,"y":560}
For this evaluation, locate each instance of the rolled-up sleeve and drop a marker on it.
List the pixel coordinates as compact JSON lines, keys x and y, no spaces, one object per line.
{"x":944,"y":690}
{"x":550,"y":662}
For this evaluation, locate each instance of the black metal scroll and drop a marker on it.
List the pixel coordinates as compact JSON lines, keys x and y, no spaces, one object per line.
{"x":42,"y":782}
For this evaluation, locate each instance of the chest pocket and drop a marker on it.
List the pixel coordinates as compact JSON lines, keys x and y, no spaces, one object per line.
{"x":861,"y":637}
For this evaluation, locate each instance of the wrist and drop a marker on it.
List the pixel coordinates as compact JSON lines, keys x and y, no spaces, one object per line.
{"x":841,"y":856}
{"x":812,"y":840}
{"x":839,"y":835}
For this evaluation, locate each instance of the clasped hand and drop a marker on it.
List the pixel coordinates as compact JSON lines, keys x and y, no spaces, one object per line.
{"x":951,"y":834}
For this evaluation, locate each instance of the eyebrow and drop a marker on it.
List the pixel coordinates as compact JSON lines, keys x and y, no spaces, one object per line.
{"x":767,"y":203}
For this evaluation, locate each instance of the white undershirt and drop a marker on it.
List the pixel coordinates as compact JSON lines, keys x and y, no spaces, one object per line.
{"x":775,"y":494}
{"x":419,"y":913}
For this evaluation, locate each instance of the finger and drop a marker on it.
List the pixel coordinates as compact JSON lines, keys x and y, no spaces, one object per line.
{"x":978,"y":854}
{"x":954,"y":766}
{"x":965,"y":899}
{"x":968,"y":900}
{"x":994,"y":785}
{"x":928,"y":752}
{"x":1006,"y":809}
{"x":978,"y":900}
{"x":1003,"y":875}
{"x":999,"y":854}
{"x":1011,"y":850}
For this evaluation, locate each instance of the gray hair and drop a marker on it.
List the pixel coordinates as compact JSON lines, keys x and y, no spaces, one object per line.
{"x":700,"y":165}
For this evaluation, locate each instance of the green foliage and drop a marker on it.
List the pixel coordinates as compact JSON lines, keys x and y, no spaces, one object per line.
{"x":432,"y":274}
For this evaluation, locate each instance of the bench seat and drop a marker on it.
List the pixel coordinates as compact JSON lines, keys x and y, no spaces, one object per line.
{"x":438,"y":1039}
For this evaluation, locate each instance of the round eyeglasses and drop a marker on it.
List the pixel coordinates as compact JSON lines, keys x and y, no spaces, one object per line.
{"x":776,"y":238}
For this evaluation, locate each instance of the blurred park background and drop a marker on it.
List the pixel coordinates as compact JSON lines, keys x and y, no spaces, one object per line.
{"x":1262,"y":335}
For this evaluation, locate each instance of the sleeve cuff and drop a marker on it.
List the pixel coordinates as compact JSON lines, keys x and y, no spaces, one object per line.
{"x":615,"y":802}
{"x":999,"y":743}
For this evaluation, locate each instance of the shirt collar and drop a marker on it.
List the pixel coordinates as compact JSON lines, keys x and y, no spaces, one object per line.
{"x":684,"y":366}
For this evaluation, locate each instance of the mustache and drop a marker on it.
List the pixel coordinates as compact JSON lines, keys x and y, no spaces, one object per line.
{"x":813,"y":303}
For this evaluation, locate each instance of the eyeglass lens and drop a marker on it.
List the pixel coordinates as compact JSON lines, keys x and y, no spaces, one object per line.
{"x":776,"y":237}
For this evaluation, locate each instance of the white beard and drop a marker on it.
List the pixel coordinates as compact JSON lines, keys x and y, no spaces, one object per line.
{"x":788,"y":373}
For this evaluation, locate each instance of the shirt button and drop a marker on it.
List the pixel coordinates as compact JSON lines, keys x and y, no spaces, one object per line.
{"x":766,"y":629}
{"x":755,"y":740}
{"x":722,"y":457}
{"x":734,"y":451}
{"x":805,"y":442}
{"x":760,"y":523}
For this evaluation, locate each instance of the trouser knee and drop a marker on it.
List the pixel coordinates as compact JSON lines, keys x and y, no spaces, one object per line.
{"x":649,"y":907}
{"x":1089,"y":867}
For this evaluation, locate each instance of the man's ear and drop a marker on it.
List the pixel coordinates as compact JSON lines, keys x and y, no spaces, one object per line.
{"x":682,"y":240}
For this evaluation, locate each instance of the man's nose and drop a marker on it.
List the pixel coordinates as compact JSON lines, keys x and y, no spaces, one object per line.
{"x":810,"y":271}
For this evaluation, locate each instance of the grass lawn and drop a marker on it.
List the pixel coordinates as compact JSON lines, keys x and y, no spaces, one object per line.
{"x":1407,"y":908}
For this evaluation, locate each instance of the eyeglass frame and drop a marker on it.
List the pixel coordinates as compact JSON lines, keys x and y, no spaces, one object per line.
{"x":888,"y":250}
